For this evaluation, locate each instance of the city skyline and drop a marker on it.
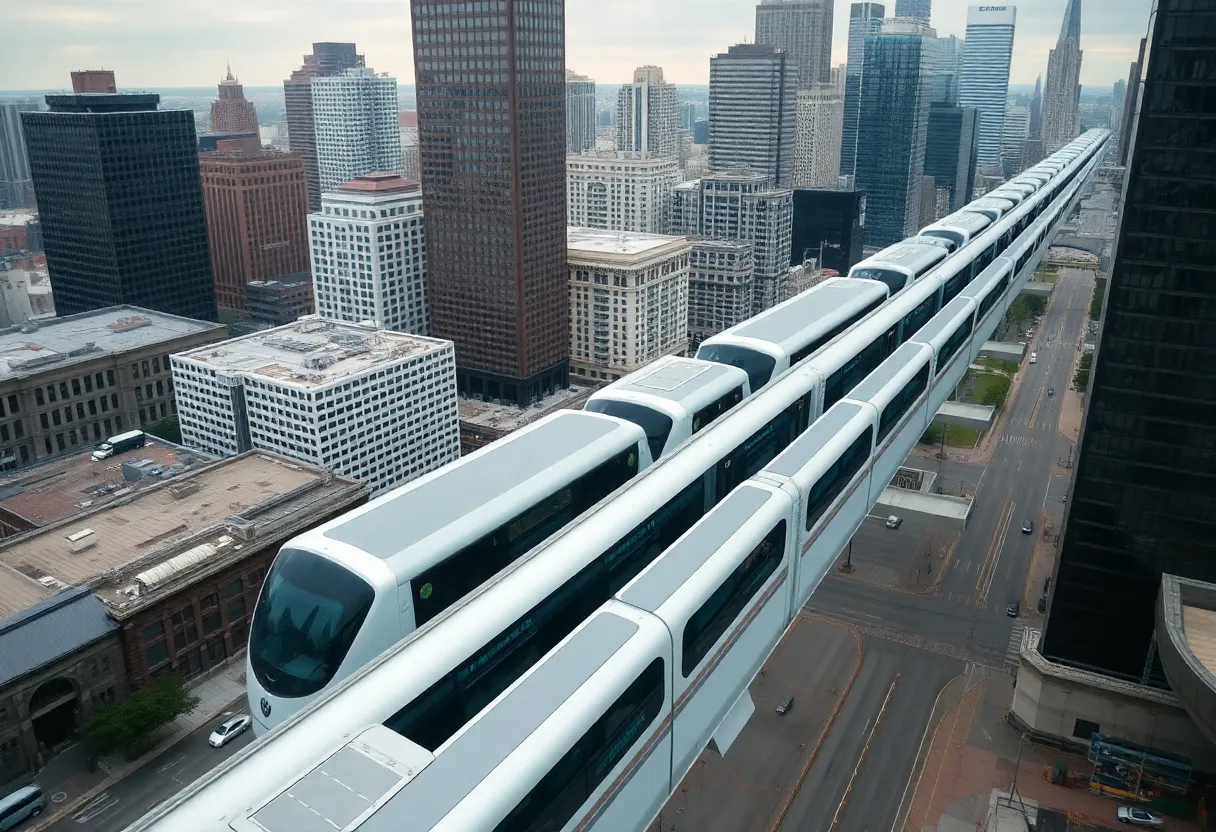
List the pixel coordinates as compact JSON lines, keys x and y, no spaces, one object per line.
{"x":150,"y":45}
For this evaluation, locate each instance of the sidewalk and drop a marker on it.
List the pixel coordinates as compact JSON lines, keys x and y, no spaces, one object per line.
{"x":67,"y":782}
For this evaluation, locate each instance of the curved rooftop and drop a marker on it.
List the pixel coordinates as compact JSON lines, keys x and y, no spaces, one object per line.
{"x":1186,"y":645}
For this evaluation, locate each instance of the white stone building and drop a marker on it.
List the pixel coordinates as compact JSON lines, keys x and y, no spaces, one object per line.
{"x":820,"y":119}
{"x":720,"y":274}
{"x":368,"y":253}
{"x":377,"y":406}
{"x":647,"y":121}
{"x":620,"y":191}
{"x":357,"y":129}
{"x":628,"y":300}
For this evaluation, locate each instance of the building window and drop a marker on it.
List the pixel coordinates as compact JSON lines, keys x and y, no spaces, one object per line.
{"x":3,"y":715}
{"x":105,"y":664}
{"x":1084,"y":729}
{"x":211,"y":614}
{"x":190,"y":665}
{"x":156,"y":653}
{"x":216,"y":652}
{"x":236,"y":609}
{"x":10,"y":753}
{"x":105,"y":697}
{"x":184,"y":630}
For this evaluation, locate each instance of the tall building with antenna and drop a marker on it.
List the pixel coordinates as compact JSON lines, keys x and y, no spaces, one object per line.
{"x":231,"y":112}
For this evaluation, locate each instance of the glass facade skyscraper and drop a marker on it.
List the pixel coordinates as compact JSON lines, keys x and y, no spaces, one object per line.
{"x":918,"y":9}
{"x":864,"y":20}
{"x":491,"y":87}
{"x":985,"y":80}
{"x":1144,"y":489}
{"x":892,"y":128}
{"x":121,"y":204}
{"x":950,"y":151}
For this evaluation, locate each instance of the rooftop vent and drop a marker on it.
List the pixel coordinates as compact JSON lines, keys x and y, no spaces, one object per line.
{"x":81,"y":540}
{"x":162,"y":572}
{"x":129,"y":323}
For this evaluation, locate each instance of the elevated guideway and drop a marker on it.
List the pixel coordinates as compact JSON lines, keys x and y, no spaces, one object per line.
{"x":1003,"y":351}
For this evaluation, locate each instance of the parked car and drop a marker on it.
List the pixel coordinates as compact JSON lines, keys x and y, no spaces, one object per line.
{"x":1034,"y":358}
{"x":228,"y":730}
{"x":1014,"y":608}
{"x":21,"y":805}
{"x":1051,"y":391}
{"x":784,"y":705}
{"x":1138,"y":817}
{"x":894,"y":522}
{"x":1027,"y":527}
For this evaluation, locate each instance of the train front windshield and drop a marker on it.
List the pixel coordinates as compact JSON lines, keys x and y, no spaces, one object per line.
{"x":758,"y":366}
{"x":656,"y":425}
{"x":306,"y":618}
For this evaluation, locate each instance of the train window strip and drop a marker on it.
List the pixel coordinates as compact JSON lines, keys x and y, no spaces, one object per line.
{"x":709,"y":622}
{"x":833,"y":481}
{"x":952,"y":344}
{"x":918,"y":317}
{"x":895,"y":408}
{"x":706,"y":416}
{"x":447,"y":705}
{"x":437,"y":588}
{"x":573,"y":779}
{"x":761,"y":448}
{"x":842,"y":382}
{"x":956,"y":284}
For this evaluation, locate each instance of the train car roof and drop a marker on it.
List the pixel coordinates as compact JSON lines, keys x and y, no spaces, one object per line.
{"x":944,"y":322}
{"x":784,"y":323}
{"x":686,"y":381}
{"x":444,"y":497}
{"x":906,"y":254}
{"x":990,"y":202}
{"x":969,"y":222}
{"x":888,"y":370}
{"x":677,"y":565}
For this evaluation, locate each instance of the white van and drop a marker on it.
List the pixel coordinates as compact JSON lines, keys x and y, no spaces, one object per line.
{"x":23,"y":804}
{"x":1034,"y":358}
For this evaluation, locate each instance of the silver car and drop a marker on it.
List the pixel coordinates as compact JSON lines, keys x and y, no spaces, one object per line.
{"x":228,"y":730}
{"x":1138,"y":817}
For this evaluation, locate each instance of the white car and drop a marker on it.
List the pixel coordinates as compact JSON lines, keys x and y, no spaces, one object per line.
{"x":1138,"y":817}
{"x":228,"y":729}
{"x":1034,"y":358}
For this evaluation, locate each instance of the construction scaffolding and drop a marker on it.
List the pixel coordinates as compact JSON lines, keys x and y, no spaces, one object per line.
{"x":1127,"y":771}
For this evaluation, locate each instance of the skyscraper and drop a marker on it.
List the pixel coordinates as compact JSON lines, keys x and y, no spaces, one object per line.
{"x":620,"y":192}
{"x":1013,"y":138}
{"x":892,"y":129}
{"x":1035,"y":130}
{"x":1062,"y":94}
{"x":646,"y":120}
{"x":256,"y":207}
{"x":385,"y":283}
{"x":985,"y":81}
{"x":1144,"y":487}
{"x":950,"y":151}
{"x":1118,"y":98}
{"x":946,"y":69}
{"x":864,"y":19}
{"x":230,"y":112}
{"x":752,"y":111}
{"x":580,"y":113}
{"x":803,"y":30}
{"x":326,"y":59}
{"x":1129,"y":106}
{"x":494,"y":176}
{"x":355,"y":117}
{"x":918,"y":9}
{"x":817,"y":146}
{"x":121,"y":204}
{"x":16,"y":187}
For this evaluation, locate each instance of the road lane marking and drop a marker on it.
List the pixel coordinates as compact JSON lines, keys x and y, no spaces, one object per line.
{"x":864,"y":753}
{"x":979,"y":578}
{"x":95,"y":807}
{"x":168,"y":766}
{"x":1000,"y":546}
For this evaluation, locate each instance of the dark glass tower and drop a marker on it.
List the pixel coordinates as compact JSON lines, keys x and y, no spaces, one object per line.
{"x":121,"y":204}
{"x":492,"y":144}
{"x":951,"y":150}
{"x":1144,"y":489}
{"x":892,"y":128}
{"x":864,"y":20}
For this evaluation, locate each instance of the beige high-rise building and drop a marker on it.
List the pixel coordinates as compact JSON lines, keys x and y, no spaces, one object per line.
{"x":820,"y":119}
{"x":646,"y":119}
{"x":620,"y":191}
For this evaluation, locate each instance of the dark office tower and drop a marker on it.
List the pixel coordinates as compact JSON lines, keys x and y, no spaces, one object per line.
{"x":16,"y":188}
{"x":326,"y":59}
{"x":121,"y":204}
{"x":93,"y":80}
{"x":1035,"y":128}
{"x":493,"y":154}
{"x":1129,"y":106}
{"x":803,"y":30}
{"x":753,"y":105}
{"x":831,"y":222}
{"x":1144,"y":488}
{"x":918,"y":9}
{"x":892,"y":129}
{"x":951,"y":150}
{"x":864,"y":19}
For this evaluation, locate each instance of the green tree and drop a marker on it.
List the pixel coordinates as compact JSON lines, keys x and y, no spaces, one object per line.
{"x":130,"y":724}
{"x":996,"y":389}
{"x":168,"y":429}
{"x":932,"y":435}
{"x":1095,"y":302}
{"x":1080,"y":379}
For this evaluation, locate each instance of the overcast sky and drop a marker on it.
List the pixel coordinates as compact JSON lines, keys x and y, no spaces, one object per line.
{"x":177,"y":43}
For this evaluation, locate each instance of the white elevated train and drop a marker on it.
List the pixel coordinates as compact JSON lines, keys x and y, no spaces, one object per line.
{"x":340,"y":594}
{"x":597,"y":749}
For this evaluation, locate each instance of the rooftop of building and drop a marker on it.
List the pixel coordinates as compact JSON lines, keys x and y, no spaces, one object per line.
{"x":597,"y":245}
{"x":50,"y":629}
{"x":239,"y":156}
{"x":68,"y":485}
{"x":313,"y":352}
{"x":509,"y":417}
{"x":380,"y":182}
{"x":32,"y":348}
{"x":17,"y":216}
{"x":102,"y":102}
{"x":205,"y":515}
{"x":625,"y":158}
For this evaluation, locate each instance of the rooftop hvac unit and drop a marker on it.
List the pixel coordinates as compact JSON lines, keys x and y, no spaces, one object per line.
{"x":81,"y":540}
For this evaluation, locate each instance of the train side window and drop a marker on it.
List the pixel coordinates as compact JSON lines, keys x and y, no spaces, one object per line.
{"x":842,"y":382}
{"x":919,"y":316}
{"x":833,"y":481}
{"x":952,"y":345}
{"x":711,"y":619}
{"x":555,"y":799}
{"x":895,"y":409}
{"x":707,"y":415}
{"x":759,"y":449}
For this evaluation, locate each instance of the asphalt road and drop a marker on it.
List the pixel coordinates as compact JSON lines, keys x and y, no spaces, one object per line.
{"x":173,"y":769}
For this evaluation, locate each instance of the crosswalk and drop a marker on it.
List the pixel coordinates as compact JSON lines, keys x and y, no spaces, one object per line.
{"x":1015,"y":643}
{"x":1020,"y":441}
